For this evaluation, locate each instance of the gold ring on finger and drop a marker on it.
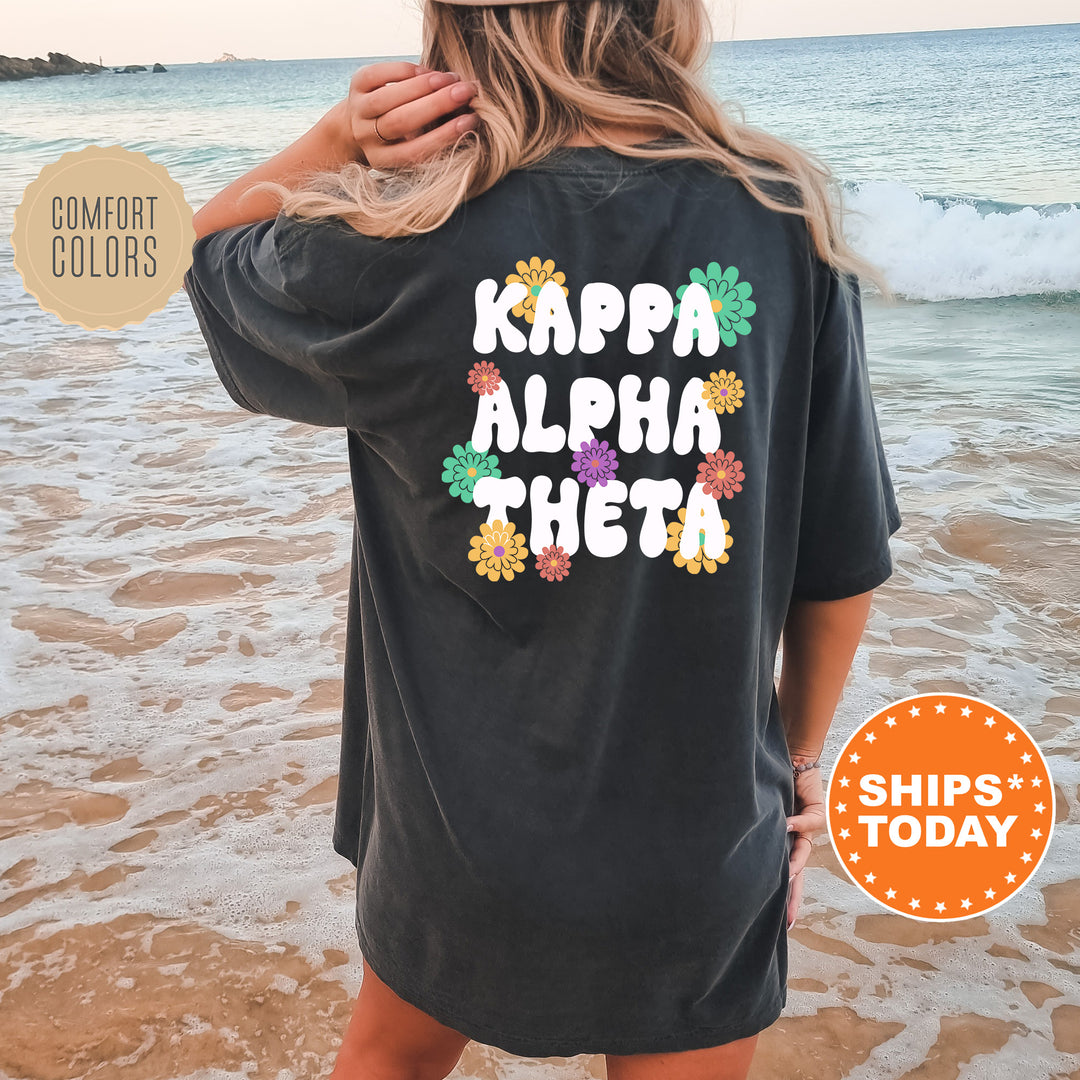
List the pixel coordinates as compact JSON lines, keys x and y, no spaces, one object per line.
{"x":382,"y":137}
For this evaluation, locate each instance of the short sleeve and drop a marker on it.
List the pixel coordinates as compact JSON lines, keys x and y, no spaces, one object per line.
{"x":244,"y":284}
{"x":849,"y":508}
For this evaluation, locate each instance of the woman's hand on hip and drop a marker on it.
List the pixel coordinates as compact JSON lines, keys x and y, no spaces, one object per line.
{"x":807,"y":821}
{"x":418,"y":112}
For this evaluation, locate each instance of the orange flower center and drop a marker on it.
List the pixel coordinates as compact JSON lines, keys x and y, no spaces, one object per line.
{"x":472,"y":472}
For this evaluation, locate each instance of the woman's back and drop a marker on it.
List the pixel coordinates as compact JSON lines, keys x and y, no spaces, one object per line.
{"x":604,"y":424}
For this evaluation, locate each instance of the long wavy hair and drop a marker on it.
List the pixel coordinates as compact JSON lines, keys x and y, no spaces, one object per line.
{"x":554,"y":71}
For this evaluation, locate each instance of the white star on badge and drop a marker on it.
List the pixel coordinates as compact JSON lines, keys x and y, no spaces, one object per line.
{"x":1036,"y":833}
{"x":844,"y":781}
{"x":1025,"y":758}
{"x":965,"y":903}
{"x":990,"y":894}
{"x":965,"y":711}
{"x":891,"y":721}
{"x":1010,"y":878}
{"x":939,"y":708}
{"x":854,"y":758}
{"x":913,"y":903}
{"x":854,"y":856}
{"x":939,"y":906}
{"x":1036,"y":781}
{"x":1039,"y":807}
{"x":844,"y":834}
{"x":1011,"y":737}
{"x":990,"y":721}
{"x":890,"y":894}
{"x":914,"y":710}
{"x":870,"y":736}
{"x":1026,"y":857}
{"x":870,"y":879}
{"x":841,"y":807}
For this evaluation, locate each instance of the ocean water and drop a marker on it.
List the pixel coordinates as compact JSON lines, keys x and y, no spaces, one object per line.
{"x":173,"y":593}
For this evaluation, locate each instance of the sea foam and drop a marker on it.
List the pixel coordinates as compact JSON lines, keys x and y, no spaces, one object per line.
{"x":933,"y":247}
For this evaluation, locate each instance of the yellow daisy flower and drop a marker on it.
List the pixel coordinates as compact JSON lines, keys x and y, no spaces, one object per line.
{"x":533,"y":274}
{"x":723,"y":391}
{"x":694,"y":565}
{"x":498,"y":550}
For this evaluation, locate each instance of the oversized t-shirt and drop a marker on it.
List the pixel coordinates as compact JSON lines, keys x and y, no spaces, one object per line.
{"x":603,"y":425}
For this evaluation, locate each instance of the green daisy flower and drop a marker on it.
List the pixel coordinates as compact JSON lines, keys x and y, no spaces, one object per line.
{"x":465,"y":467}
{"x":730,"y":298}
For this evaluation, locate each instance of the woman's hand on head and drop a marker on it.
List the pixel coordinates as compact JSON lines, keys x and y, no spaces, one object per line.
{"x":419,"y":112}
{"x":808,"y":820}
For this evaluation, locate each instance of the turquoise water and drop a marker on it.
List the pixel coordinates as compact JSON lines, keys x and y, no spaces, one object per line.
{"x":180,"y":565}
{"x":958,"y":152}
{"x":961,"y":146}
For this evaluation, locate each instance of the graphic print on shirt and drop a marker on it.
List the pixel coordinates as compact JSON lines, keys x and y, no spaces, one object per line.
{"x":712,"y":309}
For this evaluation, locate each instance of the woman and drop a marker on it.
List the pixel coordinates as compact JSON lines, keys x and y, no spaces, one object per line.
{"x":597,"y":349}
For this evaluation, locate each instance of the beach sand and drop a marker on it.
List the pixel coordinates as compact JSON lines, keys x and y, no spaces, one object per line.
{"x":170,"y":903}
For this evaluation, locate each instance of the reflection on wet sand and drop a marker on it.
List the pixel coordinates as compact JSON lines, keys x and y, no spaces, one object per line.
{"x":170,"y":903}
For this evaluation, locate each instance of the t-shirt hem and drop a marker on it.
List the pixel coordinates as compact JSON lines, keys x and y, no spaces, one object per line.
{"x":214,"y":346}
{"x":563,"y":1044}
{"x":343,"y":849}
{"x":842,"y":588}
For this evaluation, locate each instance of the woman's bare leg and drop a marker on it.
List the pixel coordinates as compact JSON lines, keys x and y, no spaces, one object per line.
{"x":728,"y":1062}
{"x":389,"y":1039}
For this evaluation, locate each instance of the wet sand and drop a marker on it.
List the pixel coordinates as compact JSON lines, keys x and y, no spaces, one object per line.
{"x":170,"y":903}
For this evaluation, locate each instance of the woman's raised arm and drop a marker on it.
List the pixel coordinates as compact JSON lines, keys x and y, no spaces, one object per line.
{"x":403,"y":97}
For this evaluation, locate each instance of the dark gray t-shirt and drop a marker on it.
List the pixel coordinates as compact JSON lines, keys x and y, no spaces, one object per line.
{"x":603,"y":425}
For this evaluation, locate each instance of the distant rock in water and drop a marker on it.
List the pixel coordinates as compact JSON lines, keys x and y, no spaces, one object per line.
{"x":228,"y":58}
{"x":14,"y":67}
{"x":159,"y":67}
{"x":130,"y":67}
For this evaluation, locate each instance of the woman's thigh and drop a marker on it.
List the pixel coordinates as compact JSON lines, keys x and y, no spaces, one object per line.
{"x":728,"y":1062}
{"x":389,"y":1039}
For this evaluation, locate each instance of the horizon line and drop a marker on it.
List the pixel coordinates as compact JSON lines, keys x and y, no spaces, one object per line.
{"x":715,"y":41}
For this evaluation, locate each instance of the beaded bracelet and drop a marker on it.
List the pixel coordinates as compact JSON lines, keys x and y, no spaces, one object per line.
{"x":796,"y":769}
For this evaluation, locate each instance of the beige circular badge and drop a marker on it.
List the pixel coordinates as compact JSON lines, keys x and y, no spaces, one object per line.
{"x":103,"y":237}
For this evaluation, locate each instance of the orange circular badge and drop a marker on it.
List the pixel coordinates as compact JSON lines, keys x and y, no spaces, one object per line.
{"x":940,"y":807}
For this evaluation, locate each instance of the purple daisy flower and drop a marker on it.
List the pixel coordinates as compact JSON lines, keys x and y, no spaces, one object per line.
{"x":595,"y":463}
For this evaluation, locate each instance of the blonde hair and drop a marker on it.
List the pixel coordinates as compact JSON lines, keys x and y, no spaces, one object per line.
{"x":552,"y":71}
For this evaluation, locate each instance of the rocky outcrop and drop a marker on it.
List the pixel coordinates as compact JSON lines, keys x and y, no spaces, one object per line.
{"x":228,"y":58}
{"x":14,"y":67}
